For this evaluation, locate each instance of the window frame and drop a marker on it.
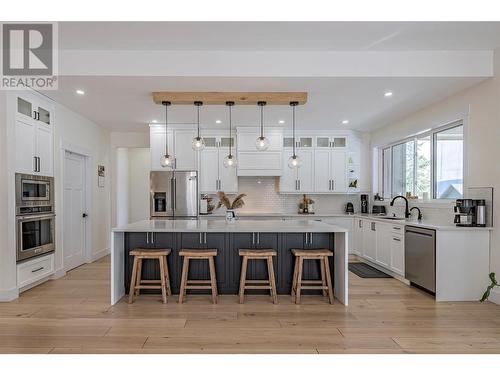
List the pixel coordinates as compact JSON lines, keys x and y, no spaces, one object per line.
{"x":432,"y":133}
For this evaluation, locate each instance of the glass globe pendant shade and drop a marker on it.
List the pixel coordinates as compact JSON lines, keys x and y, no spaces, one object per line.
{"x":198,"y":143}
{"x":262,"y":143}
{"x":230,"y":161}
{"x":167,"y":161}
{"x":294,"y":162}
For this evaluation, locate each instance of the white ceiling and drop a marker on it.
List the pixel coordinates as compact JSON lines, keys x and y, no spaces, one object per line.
{"x":125,"y":103}
{"x":291,"y":36}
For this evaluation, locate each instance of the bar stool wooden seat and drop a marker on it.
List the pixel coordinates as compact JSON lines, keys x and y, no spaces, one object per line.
{"x":325,"y":284}
{"x":136,"y":283}
{"x":270,"y":283}
{"x":186,"y":284}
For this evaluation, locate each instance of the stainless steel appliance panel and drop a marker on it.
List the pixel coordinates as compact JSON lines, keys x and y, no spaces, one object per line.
{"x":420,"y":257}
{"x":35,"y":235}
{"x":33,"y":191}
{"x":174,"y":194}
{"x":185,"y":194}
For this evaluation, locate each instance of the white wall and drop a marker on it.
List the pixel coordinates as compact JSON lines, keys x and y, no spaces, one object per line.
{"x":79,"y":134}
{"x":123,"y":140}
{"x":138,"y":174}
{"x":122,"y":186}
{"x":480,"y":107}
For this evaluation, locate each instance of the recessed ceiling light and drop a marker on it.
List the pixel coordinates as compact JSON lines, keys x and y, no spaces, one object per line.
{"x":218,"y":121}
{"x":281,"y":121}
{"x":154,"y":121}
{"x":388,"y":93}
{"x":80,"y":92}
{"x":345,"y":122}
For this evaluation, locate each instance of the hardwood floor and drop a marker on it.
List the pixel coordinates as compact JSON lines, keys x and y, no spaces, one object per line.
{"x":73,"y":315}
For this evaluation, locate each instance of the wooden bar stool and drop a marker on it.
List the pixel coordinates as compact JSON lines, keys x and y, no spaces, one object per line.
{"x":270,"y":283}
{"x":186,"y":284}
{"x":136,"y":284}
{"x":325,"y":284}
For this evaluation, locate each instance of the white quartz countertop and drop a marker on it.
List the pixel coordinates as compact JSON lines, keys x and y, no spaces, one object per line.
{"x":217,"y":226}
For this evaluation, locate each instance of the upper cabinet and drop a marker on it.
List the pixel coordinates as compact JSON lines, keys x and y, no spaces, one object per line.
{"x":252,"y":162}
{"x":34,"y":130}
{"x":179,"y":146}
{"x":330,"y":164}
{"x":214,"y":176}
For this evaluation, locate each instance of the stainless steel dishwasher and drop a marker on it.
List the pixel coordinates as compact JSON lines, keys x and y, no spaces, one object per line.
{"x":420,"y":257}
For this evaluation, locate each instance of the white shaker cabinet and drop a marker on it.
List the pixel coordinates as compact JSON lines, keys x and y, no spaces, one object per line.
{"x":185,"y":157}
{"x":34,"y":131}
{"x":397,"y":246}
{"x":214,"y":176}
{"x":330,"y":171}
{"x":298,"y":180}
{"x":369,"y":249}
{"x":383,"y":244}
{"x":252,"y":162}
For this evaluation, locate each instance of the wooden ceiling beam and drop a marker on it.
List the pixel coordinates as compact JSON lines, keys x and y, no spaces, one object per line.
{"x":220,"y":98}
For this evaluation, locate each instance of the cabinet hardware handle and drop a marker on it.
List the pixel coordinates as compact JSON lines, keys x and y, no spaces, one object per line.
{"x":311,"y":238}
{"x":39,"y":163}
{"x":360,"y":224}
{"x":34,"y":163}
{"x":34,"y":115}
{"x":333,"y":184}
{"x":147,"y":237}
{"x":396,"y":228}
{"x":200,"y":239}
{"x":205,"y":237}
{"x":307,"y":238}
{"x":396,"y":239}
{"x":373,"y":226}
{"x":258,"y":237}
{"x":253,"y":238}
{"x":38,"y":269}
{"x":299,"y":184}
{"x":152,"y":237}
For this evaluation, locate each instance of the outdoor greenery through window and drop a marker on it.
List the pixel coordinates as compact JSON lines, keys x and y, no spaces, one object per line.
{"x":427,"y":166}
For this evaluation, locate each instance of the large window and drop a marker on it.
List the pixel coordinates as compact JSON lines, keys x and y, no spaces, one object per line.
{"x":429,"y":165}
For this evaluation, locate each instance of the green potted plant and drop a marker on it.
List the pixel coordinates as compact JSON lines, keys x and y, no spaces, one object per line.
{"x":490,"y":287}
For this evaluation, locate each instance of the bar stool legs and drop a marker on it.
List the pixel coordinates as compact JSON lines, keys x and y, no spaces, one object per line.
{"x":205,"y":254}
{"x":325,"y":284}
{"x":270,"y":283}
{"x":136,"y":282}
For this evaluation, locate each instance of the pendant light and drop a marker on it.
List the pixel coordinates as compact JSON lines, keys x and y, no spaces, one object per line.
{"x":294,"y":160}
{"x":167,"y":161}
{"x":198,"y":142}
{"x":262,"y":143}
{"x":230,"y":161}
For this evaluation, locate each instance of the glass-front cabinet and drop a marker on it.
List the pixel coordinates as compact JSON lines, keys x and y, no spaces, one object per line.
{"x":28,"y":107}
{"x":331,"y":142}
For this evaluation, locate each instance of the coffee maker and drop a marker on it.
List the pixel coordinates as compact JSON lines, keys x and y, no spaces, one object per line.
{"x":470,"y":213}
{"x":364,"y":203}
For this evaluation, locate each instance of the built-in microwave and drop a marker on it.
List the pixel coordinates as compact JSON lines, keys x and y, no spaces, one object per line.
{"x":35,"y":235}
{"x":33,"y":191}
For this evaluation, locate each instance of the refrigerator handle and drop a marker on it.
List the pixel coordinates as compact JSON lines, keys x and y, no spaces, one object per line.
{"x":173,"y":192}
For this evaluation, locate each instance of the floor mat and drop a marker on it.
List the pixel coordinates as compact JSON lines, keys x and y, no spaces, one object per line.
{"x":367,"y":272}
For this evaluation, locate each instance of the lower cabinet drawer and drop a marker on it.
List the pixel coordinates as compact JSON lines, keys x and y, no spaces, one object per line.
{"x":34,"y":270}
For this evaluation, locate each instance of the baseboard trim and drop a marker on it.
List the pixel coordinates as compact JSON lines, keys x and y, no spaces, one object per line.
{"x":58,"y":274}
{"x":495,"y":297}
{"x":98,"y":255}
{"x":9,"y":295}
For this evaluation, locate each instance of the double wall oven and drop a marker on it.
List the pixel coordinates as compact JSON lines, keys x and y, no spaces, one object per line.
{"x":35,"y":217}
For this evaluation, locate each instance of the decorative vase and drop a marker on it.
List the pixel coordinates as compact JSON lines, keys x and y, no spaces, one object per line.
{"x":230,"y":216}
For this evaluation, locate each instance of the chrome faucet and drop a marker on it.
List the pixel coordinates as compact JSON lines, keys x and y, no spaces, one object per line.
{"x":407,"y":211}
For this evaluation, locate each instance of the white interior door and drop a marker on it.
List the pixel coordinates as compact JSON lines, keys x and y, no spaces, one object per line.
{"x":74,"y":210}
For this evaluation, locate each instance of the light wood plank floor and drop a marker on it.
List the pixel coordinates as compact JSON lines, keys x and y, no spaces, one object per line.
{"x":73,"y":315}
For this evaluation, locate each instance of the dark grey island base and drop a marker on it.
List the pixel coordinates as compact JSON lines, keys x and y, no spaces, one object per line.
{"x":228,"y":262}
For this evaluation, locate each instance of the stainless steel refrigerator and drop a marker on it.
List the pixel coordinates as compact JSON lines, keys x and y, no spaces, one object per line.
{"x":174,"y":194}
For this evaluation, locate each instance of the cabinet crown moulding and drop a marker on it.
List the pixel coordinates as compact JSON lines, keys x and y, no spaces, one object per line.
{"x":239,"y":98}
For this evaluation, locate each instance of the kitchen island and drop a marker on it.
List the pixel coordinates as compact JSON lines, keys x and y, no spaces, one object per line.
{"x":228,"y":238}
